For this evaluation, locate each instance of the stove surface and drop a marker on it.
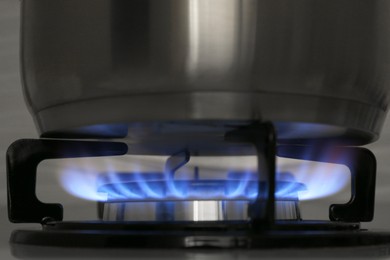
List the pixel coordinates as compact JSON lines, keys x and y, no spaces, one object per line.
{"x":17,"y":123}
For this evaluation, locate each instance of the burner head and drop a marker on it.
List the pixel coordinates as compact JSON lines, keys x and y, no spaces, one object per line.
{"x":148,"y":199}
{"x":193,"y":210}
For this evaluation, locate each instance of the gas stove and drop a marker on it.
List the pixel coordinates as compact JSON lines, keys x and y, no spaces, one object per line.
{"x":189,"y":80}
{"x":252,"y":209}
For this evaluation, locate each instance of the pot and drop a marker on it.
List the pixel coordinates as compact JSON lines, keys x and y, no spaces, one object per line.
{"x":113,"y":68}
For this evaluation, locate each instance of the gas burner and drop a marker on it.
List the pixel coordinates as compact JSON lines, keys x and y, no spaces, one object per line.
{"x":195,"y":212}
{"x":160,"y":197}
{"x":192,"y":200}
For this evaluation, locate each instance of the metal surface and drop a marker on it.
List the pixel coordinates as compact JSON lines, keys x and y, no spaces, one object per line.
{"x":202,"y":210}
{"x":196,"y":61}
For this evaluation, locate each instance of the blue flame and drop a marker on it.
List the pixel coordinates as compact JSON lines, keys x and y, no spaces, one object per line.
{"x":80,"y":183}
{"x":139,"y":187}
{"x":320,"y":180}
{"x":147,"y":186}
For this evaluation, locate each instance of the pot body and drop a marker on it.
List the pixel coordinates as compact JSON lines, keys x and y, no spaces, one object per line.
{"x":120,"y":64}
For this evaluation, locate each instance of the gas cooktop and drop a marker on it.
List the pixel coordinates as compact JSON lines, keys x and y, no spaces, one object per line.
{"x":17,"y":124}
{"x":252,"y":210}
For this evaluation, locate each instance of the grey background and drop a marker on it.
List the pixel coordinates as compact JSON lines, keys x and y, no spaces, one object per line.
{"x":16,"y":123}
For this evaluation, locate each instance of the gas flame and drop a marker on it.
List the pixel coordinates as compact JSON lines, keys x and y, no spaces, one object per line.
{"x":321,"y":179}
{"x":82,"y":178}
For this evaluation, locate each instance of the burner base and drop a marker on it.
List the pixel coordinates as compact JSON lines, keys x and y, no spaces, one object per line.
{"x":40,"y":252}
{"x":286,"y":234}
{"x":127,"y":239}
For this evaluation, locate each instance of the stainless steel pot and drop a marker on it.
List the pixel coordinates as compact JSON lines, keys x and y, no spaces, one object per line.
{"x":113,"y":67}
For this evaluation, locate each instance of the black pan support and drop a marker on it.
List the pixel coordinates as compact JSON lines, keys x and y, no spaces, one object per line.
{"x":23,"y":157}
{"x":262,"y":136}
{"x":362,"y":165}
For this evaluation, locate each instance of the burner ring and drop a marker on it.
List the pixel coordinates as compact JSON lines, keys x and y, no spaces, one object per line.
{"x":140,"y":189}
{"x":192,"y":200}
